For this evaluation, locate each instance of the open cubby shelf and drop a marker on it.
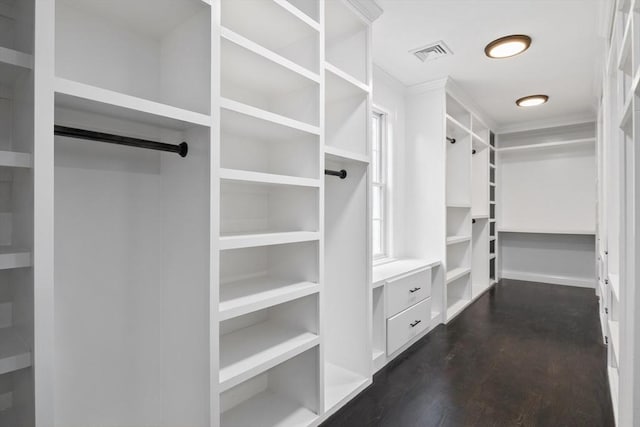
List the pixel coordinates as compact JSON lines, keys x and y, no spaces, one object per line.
{"x":282,"y":29}
{"x":347,"y":40}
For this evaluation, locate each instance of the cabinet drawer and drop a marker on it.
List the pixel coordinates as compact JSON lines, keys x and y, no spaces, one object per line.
{"x":402,"y":327}
{"x":404,"y":292}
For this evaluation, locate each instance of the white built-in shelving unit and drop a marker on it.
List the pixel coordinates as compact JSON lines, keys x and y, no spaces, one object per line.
{"x":545,"y":204}
{"x":618,"y":135}
{"x":16,"y":212}
{"x":230,"y":287}
{"x":448,"y":142}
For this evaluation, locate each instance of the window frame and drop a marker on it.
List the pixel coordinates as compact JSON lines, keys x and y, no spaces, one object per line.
{"x":382,"y":183}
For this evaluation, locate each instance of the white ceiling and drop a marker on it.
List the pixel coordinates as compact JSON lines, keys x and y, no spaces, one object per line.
{"x":563,"y":60}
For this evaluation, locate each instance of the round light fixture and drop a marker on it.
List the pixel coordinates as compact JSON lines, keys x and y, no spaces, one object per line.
{"x":508,"y":46}
{"x":532,"y":100}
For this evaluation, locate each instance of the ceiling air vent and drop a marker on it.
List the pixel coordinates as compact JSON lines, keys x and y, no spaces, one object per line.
{"x":432,"y":51}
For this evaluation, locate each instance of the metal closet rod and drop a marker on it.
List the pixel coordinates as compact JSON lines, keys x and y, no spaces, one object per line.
{"x":341,"y":173}
{"x":451,"y":140}
{"x":182,"y":149}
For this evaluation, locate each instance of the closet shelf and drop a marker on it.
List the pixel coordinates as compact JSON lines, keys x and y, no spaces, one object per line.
{"x":245,"y":296}
{"x":268,"y":409}
{"x":492,"y":184}
{"x":491,"y":165}
{"x":250,"y":351}
{"x":298,"y":14}
{"x":459,"y":205}
{"x":478,"y":138}
{"x":492,"y":256}
{"x":341,"y":155}
{"x":84,"y":97}
{"x":340,"y":384}
{"x":457,"y":273}
{"x":458,"y":239}
{"x":13,"y":258}
{"x":14,"y":354}
{"x":459,"y":127}
{"x":480,"y":216}
{"x":267,"y":54}
{"x":267,"y":178}
{"x":261,"y":114}
{"x":541,"y":231}
{"x":250,"y":240}
{"x":15,"y":160}
{"x":388,"y":270}
{"x":12,"y":63}
{"x":614,"y":338}
{"x":546,"y":145}
{"x":349,"y":85}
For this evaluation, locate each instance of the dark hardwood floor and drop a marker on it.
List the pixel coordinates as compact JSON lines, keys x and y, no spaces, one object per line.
{"x":524,"y":354}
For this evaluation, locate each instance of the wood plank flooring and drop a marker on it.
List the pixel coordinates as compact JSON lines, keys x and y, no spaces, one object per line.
{"x":524,"y":354}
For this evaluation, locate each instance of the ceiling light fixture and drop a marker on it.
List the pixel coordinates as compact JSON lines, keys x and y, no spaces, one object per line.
{"x":508,"y":46}
{"x":532,"y":100}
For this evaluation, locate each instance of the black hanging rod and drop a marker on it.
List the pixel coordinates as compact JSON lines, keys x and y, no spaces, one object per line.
{"x":341,"y":173}
{"x":70,"y":132}
{"x":451,"y":140}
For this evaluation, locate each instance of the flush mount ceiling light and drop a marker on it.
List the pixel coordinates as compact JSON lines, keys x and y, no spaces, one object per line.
{"x":532,"y":100}
{"x":508,"y":46}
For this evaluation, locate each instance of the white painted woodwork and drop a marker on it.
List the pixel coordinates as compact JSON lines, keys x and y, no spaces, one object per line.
{"x":402,"y":327}
{"x":403,"y":292}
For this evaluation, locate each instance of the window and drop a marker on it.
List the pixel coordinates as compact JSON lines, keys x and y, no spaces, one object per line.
{"x":379,"y":188}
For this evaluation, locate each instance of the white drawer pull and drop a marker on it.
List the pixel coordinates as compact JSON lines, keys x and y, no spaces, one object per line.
{"x":414,"y":324}
{"x":414,"y":290}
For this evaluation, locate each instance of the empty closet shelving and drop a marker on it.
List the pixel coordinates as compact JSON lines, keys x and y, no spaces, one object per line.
{"x":122,"y":47}
{"x":17,"y":116}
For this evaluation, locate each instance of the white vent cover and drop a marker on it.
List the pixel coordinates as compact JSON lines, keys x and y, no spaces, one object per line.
{"x":432,"y":51}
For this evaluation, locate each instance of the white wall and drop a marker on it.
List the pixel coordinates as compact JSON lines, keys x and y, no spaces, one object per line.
{"x":389,"y":95}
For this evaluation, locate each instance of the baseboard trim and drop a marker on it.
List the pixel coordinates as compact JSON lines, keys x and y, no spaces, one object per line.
{"x":548,"y":278}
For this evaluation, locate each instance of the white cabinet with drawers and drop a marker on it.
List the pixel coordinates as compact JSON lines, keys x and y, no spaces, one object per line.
{"x":404,"y":308}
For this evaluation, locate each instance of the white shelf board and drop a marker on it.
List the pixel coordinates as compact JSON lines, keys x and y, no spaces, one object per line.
{"x":268,"y":409}
{"x":15,"y":160}
{"x":461,"y":129}
{"x":250,"y":351}
{"x":457,"y":273}
{"x":12,"y":64}
{"x":267,"y":178}
{"x":399,"y":267}
{"x":84,"y":97}
{"x":258,"y":113}
{"x":477,"y":138}
{"x":614,"y":282}
{"x":298,"y":14}
{"x":267,"y":54}
{"x":491,"y":165}
{"x":13,"y":258}
{"x":492,"y":256}
{"x":377,"y":354}
{"x":458,"y":239}
{"x":340,"y":155}
{"x":614,"y":338}
{"x":546,"y":145}
{"x":541,"y":231}
{"x":454,"y":309}
{"x":484,"y":216}
{"x":342,"y":84}
{"x":492,"y":238}
{"x":14,"y":354}
{"x":340,"y":383}
{"x":492,"y":184}
{"x":459,"y":205}
{"x":249,"y":240}
{"x":245,"y":296}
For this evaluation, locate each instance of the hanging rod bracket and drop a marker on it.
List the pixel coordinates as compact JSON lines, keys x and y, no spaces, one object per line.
{"x":342,"y":174}
{"x":182,"y":149}
{"x":451,"y":140}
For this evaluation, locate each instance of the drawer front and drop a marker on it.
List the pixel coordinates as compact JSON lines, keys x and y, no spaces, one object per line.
{"x":402,"y":327}
{"x":404,"y":292}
